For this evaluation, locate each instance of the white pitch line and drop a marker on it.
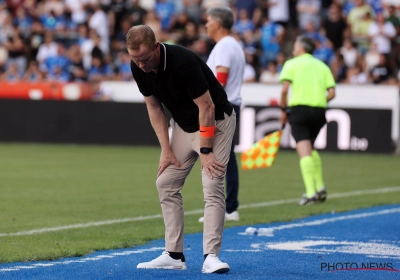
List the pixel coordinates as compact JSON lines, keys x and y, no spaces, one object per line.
{"x":193,"y":212}
{"x":82,"y":260}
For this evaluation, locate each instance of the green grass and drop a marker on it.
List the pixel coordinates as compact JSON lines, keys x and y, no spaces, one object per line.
{"x":44,"y":186}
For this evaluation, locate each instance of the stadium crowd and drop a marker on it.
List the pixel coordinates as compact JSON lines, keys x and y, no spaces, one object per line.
{"x":84,"y":40}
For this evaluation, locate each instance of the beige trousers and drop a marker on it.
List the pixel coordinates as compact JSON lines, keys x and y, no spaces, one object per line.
{"x":186,"y":148}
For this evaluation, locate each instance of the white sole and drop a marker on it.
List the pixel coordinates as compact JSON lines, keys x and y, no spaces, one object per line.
{"x":164,"y":267}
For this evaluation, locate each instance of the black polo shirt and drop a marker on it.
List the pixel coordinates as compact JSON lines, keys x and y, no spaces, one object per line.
{"x":181,"y":77}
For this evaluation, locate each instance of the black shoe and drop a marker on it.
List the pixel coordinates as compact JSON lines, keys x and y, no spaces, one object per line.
{"x":322,"y":194}
{"x":308,"y":201}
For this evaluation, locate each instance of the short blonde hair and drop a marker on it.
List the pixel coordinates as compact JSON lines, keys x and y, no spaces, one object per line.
{"x":140,"y":35}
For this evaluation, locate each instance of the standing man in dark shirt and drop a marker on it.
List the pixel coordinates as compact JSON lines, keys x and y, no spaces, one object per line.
{"x":335,"y":26}
{"x":203,"y":123}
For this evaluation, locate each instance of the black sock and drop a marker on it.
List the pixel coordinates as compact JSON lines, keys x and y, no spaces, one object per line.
{"x":205,"y":256}
{"x":177,"y":256}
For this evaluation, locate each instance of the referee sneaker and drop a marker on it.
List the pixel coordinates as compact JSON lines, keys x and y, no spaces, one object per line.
{"x":203,"y":124}
{"x":313,"y":86}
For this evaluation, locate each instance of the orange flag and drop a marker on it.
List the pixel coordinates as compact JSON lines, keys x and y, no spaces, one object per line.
{"x":263,"y":153}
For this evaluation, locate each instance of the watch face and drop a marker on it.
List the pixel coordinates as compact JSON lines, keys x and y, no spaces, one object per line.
{"x":205,"y":150}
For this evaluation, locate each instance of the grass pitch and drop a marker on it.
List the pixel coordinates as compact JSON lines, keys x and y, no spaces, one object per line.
{"x":52,"y":186}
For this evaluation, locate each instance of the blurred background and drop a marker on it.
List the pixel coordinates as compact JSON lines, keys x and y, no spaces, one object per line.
{"x":75,"y":50}
{"x":84,"y":40}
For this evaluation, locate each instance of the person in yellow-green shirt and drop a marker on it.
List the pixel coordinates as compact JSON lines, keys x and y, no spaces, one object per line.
{"x":313,"y":86}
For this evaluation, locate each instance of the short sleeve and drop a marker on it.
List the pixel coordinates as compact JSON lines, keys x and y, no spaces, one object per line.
{"x":286,"y":73}
{"x":191,"y":77}
{"x":222,"y":57}
{"x":329,"y":80}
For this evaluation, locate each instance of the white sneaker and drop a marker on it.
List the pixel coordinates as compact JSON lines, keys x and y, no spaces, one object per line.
{"x":164,"y":262}
{"x":212,"y":264}
{"x":234,"y":216}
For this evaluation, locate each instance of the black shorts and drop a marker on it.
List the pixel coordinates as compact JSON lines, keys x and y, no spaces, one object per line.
{"x":306,"y":122}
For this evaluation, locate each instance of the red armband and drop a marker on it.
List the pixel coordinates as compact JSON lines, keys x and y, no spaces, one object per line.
{"x":222,"y":77}
{"x":207,"y":131}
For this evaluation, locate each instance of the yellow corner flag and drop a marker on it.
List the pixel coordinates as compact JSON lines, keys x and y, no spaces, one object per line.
{"x":263,"y":153}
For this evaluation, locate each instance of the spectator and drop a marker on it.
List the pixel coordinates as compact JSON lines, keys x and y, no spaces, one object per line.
{"x":193,"y":9}
{"x":179,"y":26}
{"x":391,"y":3}
{"x":124,"y":67}
{"x":280,"y":60}
{"x":76,"y":68}
{"x":136,"y":13}
{"x":89,"y":45}
{"x":335,"y":27}
{"x":252,"y":8}
{"x":166,"y":13}
{"x":31,"y":8}
{"x":339,"y":68}
{"x":249,"y":41}
{"x":99,"y":22}
{"x":125,"y":25}
{"x":313,"y":33}
{"x":58,"y":75}
{"x":57,"y":65}
{"x":151,"y":19}
{"x":249,"y":75}
{"x":190,"y":35}
{"x":16,"y":52}
{"x":350,"y":53}
{"x":359,"y":19}
{"x":47,"y":49}
{"x":83,"y":34}
{"x":381,"y":33}
{"x":393,"y":18}
{"x":35,"y":40}
{"x":376,"y":6}
{"x":324,"y":52}
{"x":201,"y":48}
{"x":271,"y":39}
{"x":356,"y":76}
{"x":148,"y":5}
{"x":33,"y":74}
{"x":347,"y":7}
{"x":12,"y":74}
{"x":3,"y":57}
{"x":325,"y":5}
{"x":52,"y":6}
{"x":371,"y":58}
{"x":206,"y":4}
{"x":243,"y":23}
{"x":270,"y":75}
{"x":309,"y":10}
{"x":77,"y":10}
{"x":52,"y":21}
{"x":278,"y":11}
{"x":23,"y":22}
{"x":99,"y":70}
{"x":382,"y":73}
{"x":7,"y":29}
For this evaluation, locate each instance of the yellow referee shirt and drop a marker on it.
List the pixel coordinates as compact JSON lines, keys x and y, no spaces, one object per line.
{"x":310,"y":78}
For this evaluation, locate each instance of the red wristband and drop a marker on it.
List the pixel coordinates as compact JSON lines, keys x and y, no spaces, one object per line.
{"x":207,"y":131}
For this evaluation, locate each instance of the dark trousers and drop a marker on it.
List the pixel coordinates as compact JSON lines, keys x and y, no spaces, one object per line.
{"x":232,"y":172}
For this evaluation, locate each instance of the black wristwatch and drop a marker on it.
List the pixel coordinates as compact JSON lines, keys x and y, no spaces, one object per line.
{"x":205,"y":151}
